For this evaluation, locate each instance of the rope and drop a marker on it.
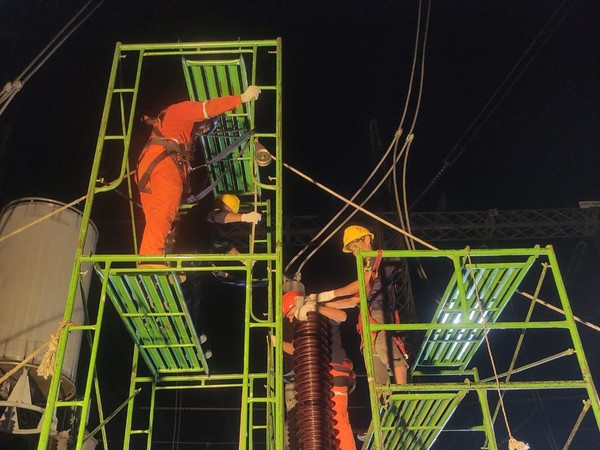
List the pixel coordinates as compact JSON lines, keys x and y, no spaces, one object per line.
{"x":47,"y":216}
{"x":352,"y":214}
{"x":339,"y":213}
{"x":558,"y":310}
{"x":8,"y":374}
{"x":36,"y":352}
{"x":46,"y":367}
{"x":360,"y":208}
{"x":513,"y":444}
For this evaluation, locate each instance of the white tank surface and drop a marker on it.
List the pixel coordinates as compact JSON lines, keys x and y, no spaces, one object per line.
{"x":35,"y":272}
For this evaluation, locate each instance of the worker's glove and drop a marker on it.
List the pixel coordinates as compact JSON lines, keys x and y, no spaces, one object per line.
{"x":326,"y":296}
{"x":302,"y":312}
{"x":251,"y":93}
{"x":251,"y":217}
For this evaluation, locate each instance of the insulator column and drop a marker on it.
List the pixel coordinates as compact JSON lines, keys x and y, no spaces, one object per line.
{"x":314,"y":414}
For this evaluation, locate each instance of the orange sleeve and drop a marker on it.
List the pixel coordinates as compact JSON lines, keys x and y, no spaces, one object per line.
{"x":197,"y":111}
{"x":217,"y":106}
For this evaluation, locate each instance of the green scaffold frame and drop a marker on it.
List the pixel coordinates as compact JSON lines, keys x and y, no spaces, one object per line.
{"x":149,"y":301}
{"x":151,"y":306}
{"x":482,"y":283}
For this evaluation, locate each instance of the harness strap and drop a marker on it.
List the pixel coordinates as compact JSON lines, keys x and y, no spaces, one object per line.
{"x":343,"y":375}
{"x":205,"y":191}
{"x":231,"y":147}
{"x":345,"y":367}
{"x":395,"y":339}
{"x":173,"y":150}
{"x":377,"y":262}
{"x":143,"y":181}
{"x":341,"y":380}
{"x":228,"y":150}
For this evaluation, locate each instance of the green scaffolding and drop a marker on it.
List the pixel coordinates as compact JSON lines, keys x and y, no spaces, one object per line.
{"x":150,"y":303}
{"x":481,"y":284}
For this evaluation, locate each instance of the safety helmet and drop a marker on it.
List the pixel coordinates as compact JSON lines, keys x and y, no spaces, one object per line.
{"x":231,"y":201}
{"x":288,"y":301}
{"x":352,"y":233}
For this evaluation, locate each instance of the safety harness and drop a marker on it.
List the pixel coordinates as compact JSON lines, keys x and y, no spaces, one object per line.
{"x":395,"y":339}
{"x":181,"y":154}
{"x":343,"y":375}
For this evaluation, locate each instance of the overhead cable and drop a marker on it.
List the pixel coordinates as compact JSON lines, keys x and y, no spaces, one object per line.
{"x":395,"y":159}
{"x":496,"y":98}
{"x":402,"y":207}
{"x":11,"y":89}
{"x":360,"y":208}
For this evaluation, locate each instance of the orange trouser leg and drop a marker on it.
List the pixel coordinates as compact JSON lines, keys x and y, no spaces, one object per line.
{"x":342,"y":421}
{"x":161,"y":205}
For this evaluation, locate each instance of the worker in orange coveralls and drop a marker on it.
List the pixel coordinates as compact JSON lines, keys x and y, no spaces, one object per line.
{"x":296,"y":307}
{"x":164,"y":163}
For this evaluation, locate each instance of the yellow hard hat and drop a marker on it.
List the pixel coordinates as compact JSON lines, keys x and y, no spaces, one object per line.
{"x":352,"y":233}
{"x":232,"y":202}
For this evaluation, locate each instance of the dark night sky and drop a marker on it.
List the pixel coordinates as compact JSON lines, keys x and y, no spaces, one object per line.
{"x":345,"y":63}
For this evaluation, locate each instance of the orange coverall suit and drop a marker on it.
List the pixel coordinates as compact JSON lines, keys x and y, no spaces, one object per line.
{"x":165,"y":185}
{"x":341,"y":371}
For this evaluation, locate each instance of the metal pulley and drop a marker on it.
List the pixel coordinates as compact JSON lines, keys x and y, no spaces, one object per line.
{"x":261,"y":155}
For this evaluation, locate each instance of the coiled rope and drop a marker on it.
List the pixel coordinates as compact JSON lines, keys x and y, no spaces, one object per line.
{"x":46,"y":367}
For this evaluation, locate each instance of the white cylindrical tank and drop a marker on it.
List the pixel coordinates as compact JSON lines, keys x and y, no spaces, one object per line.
{"x":35,"y":272}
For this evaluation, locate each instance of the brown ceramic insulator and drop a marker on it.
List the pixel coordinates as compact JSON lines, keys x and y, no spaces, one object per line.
{"x":313,"y":415}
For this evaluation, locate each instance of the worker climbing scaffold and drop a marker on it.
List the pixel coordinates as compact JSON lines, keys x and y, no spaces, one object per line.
{"x":165,"y":162}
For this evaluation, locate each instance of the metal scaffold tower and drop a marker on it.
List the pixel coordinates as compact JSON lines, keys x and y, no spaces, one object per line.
{"x":150,"y":301}
{"x":456,"y":356}
{"x":455,"y":361}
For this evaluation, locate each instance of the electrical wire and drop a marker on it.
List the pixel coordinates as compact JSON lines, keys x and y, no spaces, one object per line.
{"x":360,"y":208}
{"x":393,"y":145}
{"x":496,"y":98}
{"x":11,"y":89}
{"x":402,"y":207}
{"x":340,"y":212}
{"x":352,"y":214}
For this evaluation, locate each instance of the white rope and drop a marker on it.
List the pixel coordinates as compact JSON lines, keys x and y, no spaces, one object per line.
{"x":558,"y":310}
{"x":46,"y":367}
{"x":41,"y":219}
{"x":37,"y":351}
{"x":360,"y":208}
{"x":513,"y":444}
{"x":51,"y":343}
{"x":346,"y":206}
{"x":352,"y":214}
{"x":56,"y":211}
